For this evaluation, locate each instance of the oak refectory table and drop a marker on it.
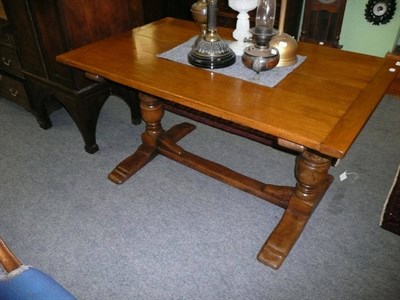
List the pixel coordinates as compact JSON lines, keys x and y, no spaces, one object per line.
{"x":317,"y":110}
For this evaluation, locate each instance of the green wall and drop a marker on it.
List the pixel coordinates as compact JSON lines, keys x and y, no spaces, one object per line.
{"x":358,"y":35}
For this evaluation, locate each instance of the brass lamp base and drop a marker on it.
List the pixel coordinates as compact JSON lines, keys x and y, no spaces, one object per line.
{"x":209,"y":51}
{"x":211,"y":55}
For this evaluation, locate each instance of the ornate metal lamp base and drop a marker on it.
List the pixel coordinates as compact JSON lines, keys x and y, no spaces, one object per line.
{"x":211,"y":55}
{"x":210,"y":51}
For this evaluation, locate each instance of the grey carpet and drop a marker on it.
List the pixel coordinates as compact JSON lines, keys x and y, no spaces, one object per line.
{"x":172,"y":233}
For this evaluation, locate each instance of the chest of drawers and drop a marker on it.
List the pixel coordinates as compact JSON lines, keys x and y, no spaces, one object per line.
{"x":12,"y":82}
{"x":43,"y":29}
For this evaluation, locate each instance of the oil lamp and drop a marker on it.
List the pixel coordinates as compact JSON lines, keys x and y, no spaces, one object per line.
{"x":241,"y":33}
{"x":210,"y":51}
{"x":260,"y":56}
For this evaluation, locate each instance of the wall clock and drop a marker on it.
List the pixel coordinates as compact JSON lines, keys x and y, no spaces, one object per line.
{"x":322,"y":22}
{"x":380,"y":11}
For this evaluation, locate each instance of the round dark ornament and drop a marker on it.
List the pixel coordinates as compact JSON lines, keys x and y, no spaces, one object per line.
{"x":380,"y":11}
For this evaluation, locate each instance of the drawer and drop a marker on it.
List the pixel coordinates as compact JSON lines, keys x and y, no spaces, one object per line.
{"x":9,"y":61}
{"x":14,"y":90}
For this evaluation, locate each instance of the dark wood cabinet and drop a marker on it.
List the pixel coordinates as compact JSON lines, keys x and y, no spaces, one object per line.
{"x":322,"y":22}
{"x":43,"y":29}
{"x":226,"y":16}
{"x":12,"y":82}
{"x":157,"y":9}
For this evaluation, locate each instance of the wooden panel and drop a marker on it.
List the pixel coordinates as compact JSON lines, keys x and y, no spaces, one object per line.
{"x":45,"y":15}
{"x":179,"y":8}
{"x":24,"y":35}
{"x":89,"y":21}
{"x":43,"y":29}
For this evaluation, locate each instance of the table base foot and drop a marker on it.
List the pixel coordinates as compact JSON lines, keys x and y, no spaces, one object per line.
{"x":144,"y":154}
{"x":132,"y":164}
{"x":313,"y":182}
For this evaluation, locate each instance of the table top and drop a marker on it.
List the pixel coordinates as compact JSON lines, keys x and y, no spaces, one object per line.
{"x":322,"y":105}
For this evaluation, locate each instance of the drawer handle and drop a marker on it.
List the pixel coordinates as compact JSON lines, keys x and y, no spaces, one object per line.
{"x":94,"y":77}
{"x":6,"y":61}
{"x":13,"y":92}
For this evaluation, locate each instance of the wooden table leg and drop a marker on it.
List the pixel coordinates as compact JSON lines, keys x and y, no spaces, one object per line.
{"x":313,"y":180}
{"x":152,"y":112}
{"x":311,"y":172}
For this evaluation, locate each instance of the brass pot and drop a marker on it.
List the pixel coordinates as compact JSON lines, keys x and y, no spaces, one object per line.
{"x":287,"y":47}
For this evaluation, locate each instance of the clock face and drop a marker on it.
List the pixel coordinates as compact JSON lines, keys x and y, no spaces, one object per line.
{"x":380,"y":9}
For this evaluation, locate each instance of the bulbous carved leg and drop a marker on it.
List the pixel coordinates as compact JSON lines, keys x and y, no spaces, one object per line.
{"x":313,"y":180}
{"x":152,"y":112}
{"x":153,"y":138}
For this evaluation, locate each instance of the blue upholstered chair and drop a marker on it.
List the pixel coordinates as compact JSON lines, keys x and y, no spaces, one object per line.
{"x":27,"y":283}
